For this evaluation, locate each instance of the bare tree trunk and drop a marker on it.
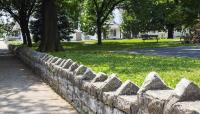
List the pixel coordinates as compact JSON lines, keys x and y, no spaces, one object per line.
{"x":50,"y":40}
{"x":99,"y":33}
{"x":24,"y":37}
{"x":170,"y":28}
{"x":25,"y":33}
{"x":28,"y":36}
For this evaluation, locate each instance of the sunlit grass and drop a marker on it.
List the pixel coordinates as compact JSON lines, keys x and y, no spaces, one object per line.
{"x":132,"y":67}
{"x":15,"y":42}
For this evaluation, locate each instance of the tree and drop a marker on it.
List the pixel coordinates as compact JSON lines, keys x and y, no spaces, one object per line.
{"x":97,"y":12}
{"x":50,"y":40}
{"x":20,"y":11}
{"x":154,"y":15}
{"x":6,"y":25}
{"x":67,"y":20}
{"x":190,"y":9}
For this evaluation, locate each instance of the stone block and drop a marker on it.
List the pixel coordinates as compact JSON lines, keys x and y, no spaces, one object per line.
{"x":152,"y":82}
{"x":184,"y":91}
{"x":61,"y":64}
{"x":81,"y":78}
{"x":148,"y":102}
{"x":73,"y":67}
{"x":127,"y":88}
{"x":116,"y":111}
{"x":67,"y":64}
{"x":58,"y":61}
{"x":187,"y":107}
{"x":80,"y":70}
{"x":127,"y":104}
{"x":54,"y":59}
{"x":153,"y":101}
{"x":111,"y":84}
{"x":94,"y":88}
{"x":100,"y":77}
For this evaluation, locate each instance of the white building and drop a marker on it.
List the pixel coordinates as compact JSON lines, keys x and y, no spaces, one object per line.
{"x":162,"y":34}
{"x":115,"y":31}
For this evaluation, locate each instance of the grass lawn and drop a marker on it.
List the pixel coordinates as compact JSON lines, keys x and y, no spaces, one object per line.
{"x":132,"y":67}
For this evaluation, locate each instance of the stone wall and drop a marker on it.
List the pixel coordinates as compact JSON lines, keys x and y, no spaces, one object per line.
{"x":97,"y":93}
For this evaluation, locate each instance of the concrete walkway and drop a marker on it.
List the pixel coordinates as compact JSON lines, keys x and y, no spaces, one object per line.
{"x":21,"y":91}
{"x":182,"y":51}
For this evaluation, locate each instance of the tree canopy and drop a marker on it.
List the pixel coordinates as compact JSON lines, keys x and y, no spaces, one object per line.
{"x":95,"y":14}
{"x":20,"y":11}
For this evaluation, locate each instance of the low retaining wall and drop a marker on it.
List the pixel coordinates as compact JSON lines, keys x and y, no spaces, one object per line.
{"x":97,"y":93}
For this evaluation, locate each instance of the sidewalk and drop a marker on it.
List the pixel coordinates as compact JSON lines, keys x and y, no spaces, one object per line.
{"x":21,"y":91}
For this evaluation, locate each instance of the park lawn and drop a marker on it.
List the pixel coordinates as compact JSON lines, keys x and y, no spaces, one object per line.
{"x":121,"y":45}
{"x":132,"y":67}
{"x":106,"y":58}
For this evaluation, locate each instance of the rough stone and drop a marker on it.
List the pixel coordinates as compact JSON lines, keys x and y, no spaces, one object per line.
{"x":80,"y":70}
{"x":100,"y":77}
{"x":147,"y":103}
{"x":61,"y":64}
{"x":94,"y":88}
{"x":111,"y":84}
{"x":188,"y":107}
{"x":54,"y":59}
{"x":127,"y":88}
{"x":67,"y":64}
{"x":185,"y":91}
{"x":73,"y":67}
{"x":152,"y":82}
{"x":127,"y":104}
{"x":58,"y":61}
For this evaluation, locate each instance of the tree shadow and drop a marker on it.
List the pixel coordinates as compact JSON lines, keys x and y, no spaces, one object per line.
{"x":21,"y":91}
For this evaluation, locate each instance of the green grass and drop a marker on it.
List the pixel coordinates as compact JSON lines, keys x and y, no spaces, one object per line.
{"x":132,"y":67}
{"x":119,"y":45}
{"x":15,"y":42}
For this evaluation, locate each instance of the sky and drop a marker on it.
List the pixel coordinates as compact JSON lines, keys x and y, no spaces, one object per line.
{"x":117,"y":16}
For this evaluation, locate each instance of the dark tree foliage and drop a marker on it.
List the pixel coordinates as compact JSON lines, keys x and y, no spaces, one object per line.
{"x":153,"y":15}
{"x":36,"y":23}
{"x":20,"y":11}
{"x":191,"y":10}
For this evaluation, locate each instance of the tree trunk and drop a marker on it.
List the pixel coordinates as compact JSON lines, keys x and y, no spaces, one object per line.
{"x":28,"y":36}
{"x":50,"y":40}
{"x":104,"y":34}
{"x":170,"y":28}
{"x":99,"y":33}
{"x":24,"y":37}
{"x":25,"y":33}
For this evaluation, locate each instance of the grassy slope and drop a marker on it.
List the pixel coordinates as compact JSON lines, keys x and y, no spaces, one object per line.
{"x":133,"y":67}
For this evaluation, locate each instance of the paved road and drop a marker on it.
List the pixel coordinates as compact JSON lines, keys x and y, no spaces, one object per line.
{"x":182,"y":51}
{"x":22,"y":92}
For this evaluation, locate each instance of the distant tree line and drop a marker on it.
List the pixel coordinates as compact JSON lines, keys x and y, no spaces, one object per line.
{"x":159,"y":15}
{"x":51,"y":21}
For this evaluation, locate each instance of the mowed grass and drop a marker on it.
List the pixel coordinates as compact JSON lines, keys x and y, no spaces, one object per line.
{"x":132,"y":67}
